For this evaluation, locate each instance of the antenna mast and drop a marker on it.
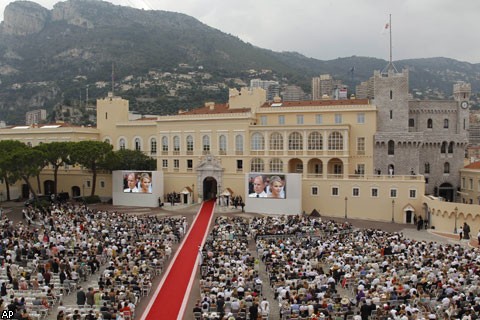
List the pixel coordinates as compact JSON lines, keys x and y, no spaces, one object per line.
{"x":113,"y":79}
{"x":86,"y":96}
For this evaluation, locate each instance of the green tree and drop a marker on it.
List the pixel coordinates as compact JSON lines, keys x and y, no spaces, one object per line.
{"x":126,"y":159}
{"x":7,"y":147}
{"x":25,"y":163}
{"x":56,"y":154}
{"x":91,"y":155}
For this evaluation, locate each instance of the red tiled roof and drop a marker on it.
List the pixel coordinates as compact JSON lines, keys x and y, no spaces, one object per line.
{"x":217,"y":109}
{"x":146,"y":118}
{"x":474,"y":165}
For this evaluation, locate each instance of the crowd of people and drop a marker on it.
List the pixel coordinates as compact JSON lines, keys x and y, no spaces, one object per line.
{"x":317,"y":269}
{"x":58,"y":249}
{"x":326,"y":270}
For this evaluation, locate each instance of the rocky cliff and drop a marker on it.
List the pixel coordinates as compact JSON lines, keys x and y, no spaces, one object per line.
{"x":24,"y":18}
{"x":70,"y":12}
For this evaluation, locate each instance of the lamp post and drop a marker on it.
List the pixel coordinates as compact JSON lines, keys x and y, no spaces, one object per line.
{"x":346,"y":201}
{"x":193,"y":193}
{"x":393,"y":210}
{"x":455,"y":229}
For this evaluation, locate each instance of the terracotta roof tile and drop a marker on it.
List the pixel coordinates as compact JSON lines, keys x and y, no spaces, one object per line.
{"x":474,"y":165}
{"x":217,"y":109}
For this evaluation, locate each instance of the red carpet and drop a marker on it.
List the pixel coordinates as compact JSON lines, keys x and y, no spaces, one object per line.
{"x":171,"y":296}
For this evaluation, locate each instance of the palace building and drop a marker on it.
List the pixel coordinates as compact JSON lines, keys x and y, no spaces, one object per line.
{"x":374,"y":157}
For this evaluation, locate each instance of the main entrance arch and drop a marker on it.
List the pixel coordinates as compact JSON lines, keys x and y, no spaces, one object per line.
{"x":209,"y":177}
{"x":446,"y":191}
{"x":210,"y":188}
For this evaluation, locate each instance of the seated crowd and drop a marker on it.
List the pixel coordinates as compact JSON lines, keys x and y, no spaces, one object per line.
{"x":58,"y":249}
{"x":327,"y":270}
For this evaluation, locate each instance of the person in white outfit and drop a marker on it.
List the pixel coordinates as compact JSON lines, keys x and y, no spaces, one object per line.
{"x":265,"y":307}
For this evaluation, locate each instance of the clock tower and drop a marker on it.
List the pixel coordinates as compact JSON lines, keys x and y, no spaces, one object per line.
{"x":461,"y":94}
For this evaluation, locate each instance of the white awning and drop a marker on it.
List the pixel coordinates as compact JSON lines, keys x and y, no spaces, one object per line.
{"x":409,"y":208}
{"x":227,"y":192}
{"x":186,"y":190}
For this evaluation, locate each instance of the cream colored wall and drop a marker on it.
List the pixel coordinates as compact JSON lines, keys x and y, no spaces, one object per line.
{"x":246,"y":98}
{"x":364,"y":206}
{"x":349,"y":128}
{"x":110,"y":111}
{"x":470,"y":192}
{"x":35,"y":136}
{"x":227,"y":126}
{"x":443,"y":215}
{"x":66,"y":180}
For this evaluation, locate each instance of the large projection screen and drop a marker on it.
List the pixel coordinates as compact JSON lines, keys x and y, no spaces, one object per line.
{"x":273,"y":193}
{"x":137,"y":188}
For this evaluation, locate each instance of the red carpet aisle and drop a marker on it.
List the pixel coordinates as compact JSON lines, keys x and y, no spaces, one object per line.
{"x":171,"y":296}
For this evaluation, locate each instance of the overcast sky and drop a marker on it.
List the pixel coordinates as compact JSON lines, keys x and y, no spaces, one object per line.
{"x":328,"y":29}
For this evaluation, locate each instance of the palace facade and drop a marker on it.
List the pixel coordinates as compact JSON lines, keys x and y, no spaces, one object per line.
{"x":370,"y":158}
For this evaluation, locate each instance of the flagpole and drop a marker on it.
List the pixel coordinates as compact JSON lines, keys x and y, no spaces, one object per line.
{"x":390,"y":28}
{"x":390,"y":65}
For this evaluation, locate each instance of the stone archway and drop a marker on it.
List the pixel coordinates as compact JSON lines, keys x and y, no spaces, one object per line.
{"x":209,"y":177}
{"x":210,"y":188}
{"x":447,"y":192}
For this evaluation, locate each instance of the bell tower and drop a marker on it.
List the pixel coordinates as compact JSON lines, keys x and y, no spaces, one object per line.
{"x":461,"y":94}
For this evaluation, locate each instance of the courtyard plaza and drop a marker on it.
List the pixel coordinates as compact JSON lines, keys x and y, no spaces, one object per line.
{"x":266,"y":292}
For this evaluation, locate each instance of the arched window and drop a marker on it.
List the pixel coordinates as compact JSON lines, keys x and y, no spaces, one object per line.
{"x":315,"y":141}
{"x":138,"y":144}
{"x":276,"y":141}
{"x":295,"y":141}
{"x":335,"y":141}
{"x":206,"y":143}
{"x":153,"y":146}
{"x":122,"y":144}
{"x":443,"y":148}
{"x":427,"y":167}
{"x":239,"y":143}
{"x":222,"y":144}
{"x":450,"y":147}
{"x":189,"y":143}
{"x":257,"y":165}
{"x":106,"y":141}
{"x":165,"y":144}
{"x":446,"y":167}
{"x":429,"y":123}
{"x":258,"y":141}
{"x":445,"y":123}
{"x":276,"y":165}
{"x":391,"y":147}
{"x":176,"y":144}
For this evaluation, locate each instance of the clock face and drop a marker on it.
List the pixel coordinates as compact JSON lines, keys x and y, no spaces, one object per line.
{"x":464,"y":104}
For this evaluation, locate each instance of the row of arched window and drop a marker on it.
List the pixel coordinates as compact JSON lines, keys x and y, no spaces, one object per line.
{"x":137,"y":144}
{"x":258,"y":165}
{"x":295,"y":141}
{"x":447,"y":147}
{"x":446,"y":167}
{"x":446,"y":123}
{"x":258,"y":142}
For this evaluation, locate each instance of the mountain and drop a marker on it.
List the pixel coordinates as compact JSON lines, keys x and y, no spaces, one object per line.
{"x":50,"y":57}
